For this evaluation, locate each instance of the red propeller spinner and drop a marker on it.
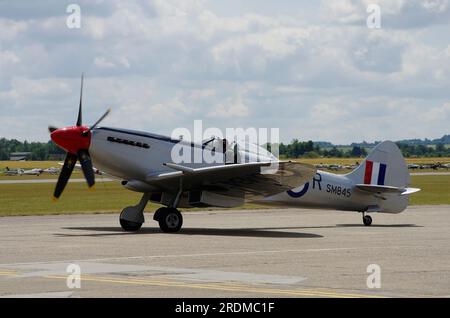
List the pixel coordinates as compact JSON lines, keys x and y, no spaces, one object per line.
{"x":72,"y":139}
{"x":75,"y":140}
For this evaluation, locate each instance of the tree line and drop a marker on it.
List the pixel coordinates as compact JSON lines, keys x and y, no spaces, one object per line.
{"x":308,"y":149}
{"x":39,"y":150}
{"x":295,"y":149}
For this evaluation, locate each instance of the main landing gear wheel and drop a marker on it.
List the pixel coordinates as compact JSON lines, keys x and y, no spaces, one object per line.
{"x":170,"y":220}
{"x":367,"y":220}
{"x":129,"y":226}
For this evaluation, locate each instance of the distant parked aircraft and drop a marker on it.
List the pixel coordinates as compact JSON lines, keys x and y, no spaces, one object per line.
{"x":78,"y":166}
{"x":33,"y":172}
{"x":52,"y":170}
{"x":12,"y":172}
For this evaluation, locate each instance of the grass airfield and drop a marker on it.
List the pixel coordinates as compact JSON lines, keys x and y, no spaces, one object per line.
{"x":350,"y":161}
{"x":111,"y":197}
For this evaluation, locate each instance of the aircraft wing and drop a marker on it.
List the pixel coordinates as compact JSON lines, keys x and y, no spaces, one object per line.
{"x":385,"y":189}
{"x":245,"y":177}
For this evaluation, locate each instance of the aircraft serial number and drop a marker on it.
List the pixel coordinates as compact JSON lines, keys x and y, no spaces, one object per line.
{"x":338,"y":190}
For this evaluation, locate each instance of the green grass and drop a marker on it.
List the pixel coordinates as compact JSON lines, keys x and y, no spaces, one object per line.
{"x":36,"y":199}
{"x":111,"y":197}
{"x":31,"y":199}
{"x":28,"y":164}
{"x":435,"y":190}
{"x":340,"y":161}
{"x":75,"y":174}
{"x":350,"y":161}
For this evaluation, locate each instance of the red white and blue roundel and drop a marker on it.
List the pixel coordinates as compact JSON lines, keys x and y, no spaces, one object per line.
{"x":301,"y":191}
{"x":375,"y":173}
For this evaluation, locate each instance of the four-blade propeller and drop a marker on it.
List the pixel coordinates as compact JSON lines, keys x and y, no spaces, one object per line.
{"x":75,"y":140}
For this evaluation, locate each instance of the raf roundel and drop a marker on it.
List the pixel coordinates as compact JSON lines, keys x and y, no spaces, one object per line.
{"x":302,"y":191}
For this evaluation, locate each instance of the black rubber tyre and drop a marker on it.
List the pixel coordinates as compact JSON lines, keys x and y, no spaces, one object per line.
{"x":170,"y":220}
{"x":367,"y":220}
{"x":130,"y":226}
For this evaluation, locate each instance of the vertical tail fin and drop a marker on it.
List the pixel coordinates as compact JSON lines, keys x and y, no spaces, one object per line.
{"x":384,"y":165}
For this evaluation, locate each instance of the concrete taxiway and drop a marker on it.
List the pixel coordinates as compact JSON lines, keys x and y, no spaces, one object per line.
{"x":261,"y":253}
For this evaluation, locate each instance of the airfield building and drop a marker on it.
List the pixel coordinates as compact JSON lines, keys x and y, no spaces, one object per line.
{"x":18,"y":156}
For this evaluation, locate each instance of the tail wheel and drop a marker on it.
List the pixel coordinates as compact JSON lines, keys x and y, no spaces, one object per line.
{"x":170,"y":220}
{"x":367,"y":220}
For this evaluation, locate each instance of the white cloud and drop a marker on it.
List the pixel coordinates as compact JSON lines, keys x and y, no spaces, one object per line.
{"x":10,"y":29}
{"x":394,"y":13}
{"x":8,"y":57}
{"x":103,"y":63}
{"x":230,"y":108}
{"x":161,"y":64}
{"x":436,"y":114}
{"x":436,"y":5}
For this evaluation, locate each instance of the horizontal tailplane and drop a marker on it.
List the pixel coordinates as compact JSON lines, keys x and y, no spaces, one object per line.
{"x":386,"y":189}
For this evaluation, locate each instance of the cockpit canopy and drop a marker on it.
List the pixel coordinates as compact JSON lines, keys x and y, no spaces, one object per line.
{"x":246,"y":152}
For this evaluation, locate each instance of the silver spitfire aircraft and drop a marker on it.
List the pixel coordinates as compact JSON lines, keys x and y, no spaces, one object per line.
{"x":143,"y":162}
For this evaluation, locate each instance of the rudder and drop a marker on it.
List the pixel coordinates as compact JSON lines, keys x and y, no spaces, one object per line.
{"x":384,"y":165}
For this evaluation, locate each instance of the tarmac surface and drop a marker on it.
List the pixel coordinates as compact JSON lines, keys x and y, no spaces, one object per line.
{"x":242,"y":253}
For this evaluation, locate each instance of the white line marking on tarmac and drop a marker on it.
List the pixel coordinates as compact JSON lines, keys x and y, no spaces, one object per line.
{"x":41,"y":295}
{"x":218,"y":254}
{"x":191,"y":274}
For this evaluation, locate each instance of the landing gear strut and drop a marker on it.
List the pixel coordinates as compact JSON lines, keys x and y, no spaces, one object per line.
{"x":132,"y":217}
{"x":170,"y":219}
{"x":367,"y":220}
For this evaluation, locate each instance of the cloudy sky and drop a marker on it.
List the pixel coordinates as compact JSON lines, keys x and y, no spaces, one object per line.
{"x":314,"y":69}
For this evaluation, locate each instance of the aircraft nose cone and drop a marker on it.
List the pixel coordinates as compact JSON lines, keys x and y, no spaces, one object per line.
{"x":71,"y":139}
{"x":57,"y":136}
